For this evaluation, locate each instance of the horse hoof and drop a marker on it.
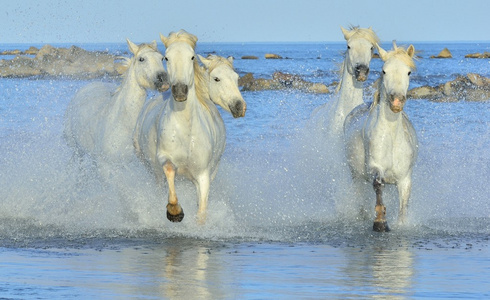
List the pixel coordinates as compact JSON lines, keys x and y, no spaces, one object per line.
{"x":381,"y":226}
{"x":175,"y":218}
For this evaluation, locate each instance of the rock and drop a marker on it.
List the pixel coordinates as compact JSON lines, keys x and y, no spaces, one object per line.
{"x":272,"y":56}
{"x":423,"y":92}
{"x":472,"y":87}
{"x":11,"y":52}
{"x":249,"y":57}
{"x":478,"y":55}
{"x":286,"y":79}
{"x":318,"y":88}
{"x":479,"y":80}
{"x":246,"y":79}
{"x":31,"y":51}
{"x":261,"y":84}
{"x":445,"y":53}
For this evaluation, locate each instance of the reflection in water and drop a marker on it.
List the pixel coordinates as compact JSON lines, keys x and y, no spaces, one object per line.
{"x":185,"y":269}
{"x":176,"y":271}
{"x":386,"y":270}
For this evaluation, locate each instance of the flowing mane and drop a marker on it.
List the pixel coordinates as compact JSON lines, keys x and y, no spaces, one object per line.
{"x":200,"y":80}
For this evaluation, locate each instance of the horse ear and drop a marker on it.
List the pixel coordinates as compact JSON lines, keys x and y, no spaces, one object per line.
{"x":164,"y":40}
{"x":394,"y":45}
{"x":154,"y":44}
{"x":411,"y":51}
{"x":230,"y":59}
{"x":132,"y":46}
{"x":382,"y":52}
{"x":204,"y":61}
{"x":347,"y":34}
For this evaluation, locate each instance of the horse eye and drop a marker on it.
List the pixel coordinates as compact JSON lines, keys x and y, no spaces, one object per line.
{"x":348,"y":47}
{"x":384,"y":72}
{"x":166,"y":59}
{"x":142,"y":59}
{"x":217,"y":79}
{"x":409,"y":72}
{"x":192,"y":58}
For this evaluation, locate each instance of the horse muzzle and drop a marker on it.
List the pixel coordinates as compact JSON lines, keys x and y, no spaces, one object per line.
{"x":238,"y":109}
{"x":397,"y":102}
{"x":162,"y":84}
{"x":180,"y":91}
{"x":361,"y":73}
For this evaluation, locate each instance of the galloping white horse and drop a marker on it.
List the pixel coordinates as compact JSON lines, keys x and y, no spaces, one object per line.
{"x":185,"y":134}
{"x":355,"y":70}
{"x":381,"y":143}
{"x":100,"y":121}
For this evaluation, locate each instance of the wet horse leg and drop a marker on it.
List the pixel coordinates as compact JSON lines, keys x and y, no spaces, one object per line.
{"x":404,"y":188}
{"x":202,"y":184}
{"x":380,"y":224}
{"x":175,"y":213}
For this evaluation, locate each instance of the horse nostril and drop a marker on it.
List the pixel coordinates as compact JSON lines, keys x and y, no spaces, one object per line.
{"x":161,"y":82}
{"x":238,"y":109}
{"x":179,"y":91}
{"x":162,"y":77}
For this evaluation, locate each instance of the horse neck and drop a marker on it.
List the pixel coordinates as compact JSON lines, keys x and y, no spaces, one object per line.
{"x":130,"y":97}
{"x":350,"y":93}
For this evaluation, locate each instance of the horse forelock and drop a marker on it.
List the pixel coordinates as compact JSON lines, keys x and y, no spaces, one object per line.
{"x":181,"y":36}
{"x":216,"y":61}
{"x":400,"y":53}
{"x":364,"y":33}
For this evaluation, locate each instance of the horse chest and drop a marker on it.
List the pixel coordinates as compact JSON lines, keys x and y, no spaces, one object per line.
{"x":191,"y":146}
{"x":390,"y":152}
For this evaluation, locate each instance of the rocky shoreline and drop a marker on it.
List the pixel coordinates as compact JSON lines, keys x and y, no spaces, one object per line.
{"x":77,"y":63}
{"x":73,"y":62}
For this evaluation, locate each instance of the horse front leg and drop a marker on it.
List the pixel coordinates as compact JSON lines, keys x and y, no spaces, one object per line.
{"x":175,"y":213}
{"x":380,"y":224}
{"x":202,"y":184}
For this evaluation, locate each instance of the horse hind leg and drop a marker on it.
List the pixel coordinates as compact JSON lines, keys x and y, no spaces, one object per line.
{"x":175,"y":213}
{"x":380,"y":224}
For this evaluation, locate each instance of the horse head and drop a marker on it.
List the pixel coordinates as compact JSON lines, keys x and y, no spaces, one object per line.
{"x":180,"y":58}
{"x":223,"y":84}
{"x":360,"y":46}
{"x":147,"y":67}
{"x":397,"y":67}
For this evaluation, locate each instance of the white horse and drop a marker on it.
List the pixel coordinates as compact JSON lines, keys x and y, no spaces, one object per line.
{"x":100,"y":119}
{"x":185,"y":134}
{"x":355,"y":70}
{"x":381,"y":143}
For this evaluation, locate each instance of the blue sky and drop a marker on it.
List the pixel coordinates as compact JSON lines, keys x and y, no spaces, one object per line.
{"x":44,"y":21}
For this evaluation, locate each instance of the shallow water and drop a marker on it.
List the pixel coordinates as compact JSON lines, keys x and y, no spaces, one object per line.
{"x":282,"y":222}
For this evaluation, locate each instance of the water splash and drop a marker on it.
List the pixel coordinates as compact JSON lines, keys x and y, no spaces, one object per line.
{"x":280,"y":179}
